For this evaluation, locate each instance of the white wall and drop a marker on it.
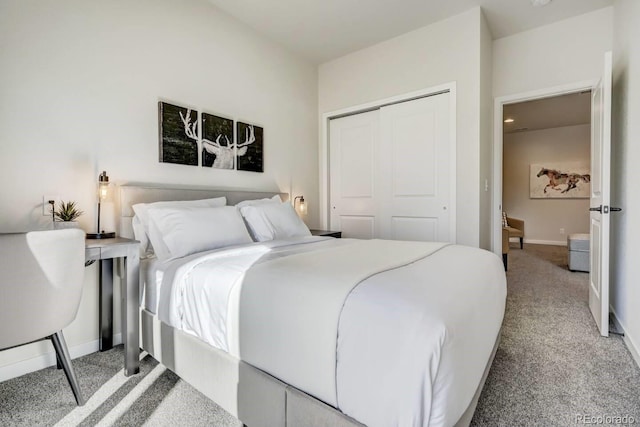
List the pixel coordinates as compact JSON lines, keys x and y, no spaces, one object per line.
{"x":80,"y":82}
{"x":625,"y":268}
{"x":545,"y":217}
{"x":564,"y":52}
{"x":486,"y":133}
{"x":430,"y":56}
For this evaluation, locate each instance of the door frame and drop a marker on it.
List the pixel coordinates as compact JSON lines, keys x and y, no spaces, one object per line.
{"x":374,"y":105}
{"x":499,"y":103}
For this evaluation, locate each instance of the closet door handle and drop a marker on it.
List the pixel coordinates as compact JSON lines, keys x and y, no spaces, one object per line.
{"x":598,"y":209}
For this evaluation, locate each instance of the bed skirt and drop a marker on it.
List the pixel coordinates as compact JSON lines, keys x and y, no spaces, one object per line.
{"x":253,"y":396}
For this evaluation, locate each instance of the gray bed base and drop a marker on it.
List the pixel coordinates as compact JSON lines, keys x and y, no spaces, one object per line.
{"x":253,"y":396}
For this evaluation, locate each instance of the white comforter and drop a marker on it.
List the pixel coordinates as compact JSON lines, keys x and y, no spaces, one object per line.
{"x":412,"y":341}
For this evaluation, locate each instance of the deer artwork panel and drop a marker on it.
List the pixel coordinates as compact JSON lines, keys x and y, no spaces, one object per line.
{"x":559,"y":181}
{"x":183,"y":134}
{"x":250,"y":147}
{"x":178,"y":142}
{"x":218,"y":148}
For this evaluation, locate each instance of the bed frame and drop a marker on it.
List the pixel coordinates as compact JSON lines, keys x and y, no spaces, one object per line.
{"x":251,"y":395}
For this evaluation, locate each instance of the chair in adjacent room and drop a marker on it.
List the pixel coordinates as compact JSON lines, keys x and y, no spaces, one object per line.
{"x":516,"y":229}
{"x":505,"y":247}
{"x":41,"y":277}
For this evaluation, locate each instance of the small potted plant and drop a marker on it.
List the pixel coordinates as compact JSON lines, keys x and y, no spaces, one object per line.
{"x":65,"y":215}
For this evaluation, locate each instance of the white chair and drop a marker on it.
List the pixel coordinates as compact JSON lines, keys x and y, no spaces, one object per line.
{"x":41,"y":277}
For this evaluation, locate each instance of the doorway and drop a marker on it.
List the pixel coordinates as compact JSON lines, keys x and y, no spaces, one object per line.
{"x":513,"y":102}
{"x":546,"y":169}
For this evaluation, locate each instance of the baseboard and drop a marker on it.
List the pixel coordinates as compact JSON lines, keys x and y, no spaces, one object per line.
{"x":633,"y":347}
{"x":546,"y":242}
{"x":49,"y":359}
{"x":616,"y":322}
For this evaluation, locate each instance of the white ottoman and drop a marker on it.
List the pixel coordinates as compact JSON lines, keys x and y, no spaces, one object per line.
{"x":578,"y":245}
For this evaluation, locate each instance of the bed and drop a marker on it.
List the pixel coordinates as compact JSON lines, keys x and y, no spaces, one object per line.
{"x":316,"y":331}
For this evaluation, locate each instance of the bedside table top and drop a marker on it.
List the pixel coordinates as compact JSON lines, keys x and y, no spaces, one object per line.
{"x":95,"y":249}
{"x":328,"y":233}
{"x":99,"y":243}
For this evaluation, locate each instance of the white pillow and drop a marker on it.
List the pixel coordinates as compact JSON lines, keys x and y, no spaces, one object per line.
{"x":270,"y":221}
{"x":183,"y":231}
{"x":141,"y":226}
{"x":141,"y":236}
{"x":274,"y":199}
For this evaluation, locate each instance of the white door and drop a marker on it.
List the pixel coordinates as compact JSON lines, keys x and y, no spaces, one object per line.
{"x":391,"y":172}
{"x":415,"y":179}
{"x":600,"y":198}
{"x":353,"y":165}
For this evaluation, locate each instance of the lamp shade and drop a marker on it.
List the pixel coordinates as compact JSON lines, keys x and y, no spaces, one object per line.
{"x":300,"y":205}
{"x":103,"y":186}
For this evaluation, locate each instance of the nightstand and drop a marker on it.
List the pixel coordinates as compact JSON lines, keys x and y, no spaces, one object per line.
{"x":126,"y":250}
{"x":328,"y":233}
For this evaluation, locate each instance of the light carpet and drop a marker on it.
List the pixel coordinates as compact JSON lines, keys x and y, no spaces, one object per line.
{"x":551,"y":367}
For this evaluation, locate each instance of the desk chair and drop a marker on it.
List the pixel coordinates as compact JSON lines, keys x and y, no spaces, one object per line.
{"x":41,"y":277}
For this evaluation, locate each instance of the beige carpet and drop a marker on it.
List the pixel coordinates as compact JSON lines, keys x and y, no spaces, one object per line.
{"x":552,"y":367}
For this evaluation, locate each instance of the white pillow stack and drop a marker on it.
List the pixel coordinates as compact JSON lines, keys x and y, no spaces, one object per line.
{"x":274,"y":199}
{"x":142,"y":228}
{"x":270,"y":221}
{"x":185,"y":231}
{"x":176,"y":229}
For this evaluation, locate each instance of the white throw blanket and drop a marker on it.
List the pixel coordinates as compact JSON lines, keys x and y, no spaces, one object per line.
{"x":290,"y":308}
{"x":414,"y":342}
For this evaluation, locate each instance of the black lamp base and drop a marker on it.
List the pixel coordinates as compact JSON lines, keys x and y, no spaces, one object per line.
{"x":102,"y":235}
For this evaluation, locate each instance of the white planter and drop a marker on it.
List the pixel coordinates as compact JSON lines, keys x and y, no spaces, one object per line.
{"x":62,"y":225}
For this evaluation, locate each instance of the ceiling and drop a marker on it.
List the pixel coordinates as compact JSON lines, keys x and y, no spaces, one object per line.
{"x":566,"y":110}
{"x":320,"y":30}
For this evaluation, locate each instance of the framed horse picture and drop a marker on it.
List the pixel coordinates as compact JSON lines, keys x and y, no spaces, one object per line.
{"x":559,"y":181}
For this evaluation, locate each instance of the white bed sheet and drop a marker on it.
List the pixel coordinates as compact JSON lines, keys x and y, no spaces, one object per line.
{"x":152,"y":270}
{"x":199,"y":295}
{"x":437,"y":383}
{"x":151,"y":274}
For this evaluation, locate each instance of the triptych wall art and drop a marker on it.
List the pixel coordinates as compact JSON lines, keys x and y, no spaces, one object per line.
{"x":188,"y":137}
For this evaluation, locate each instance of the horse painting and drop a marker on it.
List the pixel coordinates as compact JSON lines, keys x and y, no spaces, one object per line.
{"x":562,"y":182}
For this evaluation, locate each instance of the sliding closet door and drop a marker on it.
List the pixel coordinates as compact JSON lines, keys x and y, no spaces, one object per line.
{"x":415,"y":170}
{"x":390,"y":171}
{"x":353,"y":165}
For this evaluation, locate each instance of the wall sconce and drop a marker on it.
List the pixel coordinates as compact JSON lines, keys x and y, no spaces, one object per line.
{"x":103,"y":193}
{"x":300,"y":206}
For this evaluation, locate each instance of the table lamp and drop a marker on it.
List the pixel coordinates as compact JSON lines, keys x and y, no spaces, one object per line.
{"x":103,"y":192}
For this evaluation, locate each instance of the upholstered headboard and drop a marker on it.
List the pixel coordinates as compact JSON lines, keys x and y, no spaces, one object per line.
{"x":130,"y":194}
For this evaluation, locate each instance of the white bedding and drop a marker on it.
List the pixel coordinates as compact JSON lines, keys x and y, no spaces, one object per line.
{"x":199,"y":294}
{"x":151,"y":274}
{"x":425,"y":376}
